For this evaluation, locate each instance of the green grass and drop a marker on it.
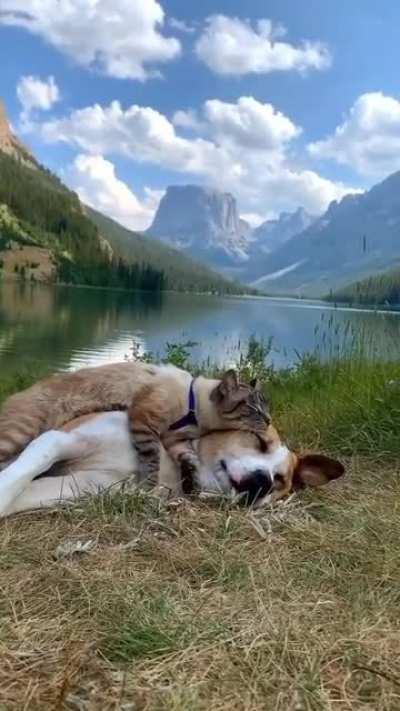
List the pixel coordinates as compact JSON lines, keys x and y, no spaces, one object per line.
{"x":348,"y":406}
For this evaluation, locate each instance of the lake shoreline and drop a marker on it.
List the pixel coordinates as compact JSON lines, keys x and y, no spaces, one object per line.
{"x":67,"y":327}
{"x":293,"y":300}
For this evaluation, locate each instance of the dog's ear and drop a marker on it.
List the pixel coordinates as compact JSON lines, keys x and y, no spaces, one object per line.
{"x":316,"y":470}
{"x":229,"y":384}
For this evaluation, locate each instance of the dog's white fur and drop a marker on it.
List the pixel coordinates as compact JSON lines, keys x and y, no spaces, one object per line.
{"x":96,"y":455}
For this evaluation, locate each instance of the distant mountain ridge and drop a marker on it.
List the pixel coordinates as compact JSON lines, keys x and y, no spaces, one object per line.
{"x":46,"y":234}
{"x":271,"y":235}
{"x":297,"y":253}
{"x":205,"y":224}
{"x":355,"y":238}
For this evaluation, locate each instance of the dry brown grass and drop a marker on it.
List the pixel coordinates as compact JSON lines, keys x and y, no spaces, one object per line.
{"x":203,"y":610}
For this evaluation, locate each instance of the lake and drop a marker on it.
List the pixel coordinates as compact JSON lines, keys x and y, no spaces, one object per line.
{"x":66,"y":327}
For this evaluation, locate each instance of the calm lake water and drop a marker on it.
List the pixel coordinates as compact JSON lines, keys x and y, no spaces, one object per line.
{"x":65,"y":328}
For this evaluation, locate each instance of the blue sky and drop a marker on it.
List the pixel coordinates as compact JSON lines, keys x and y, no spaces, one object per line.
{"x":304,"y":108}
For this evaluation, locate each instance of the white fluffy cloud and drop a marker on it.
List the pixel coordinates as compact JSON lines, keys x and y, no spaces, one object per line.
{"x":368,"y":139}
{"x":140,"y":132}
{"x":97,"y":185}
{"x":229,"y":45}
{"x":121,"y":38}
{"x":188,"y":119}
{"x":250,"y":124}
{"x":34,"y":93}
{"x":244,"y":147}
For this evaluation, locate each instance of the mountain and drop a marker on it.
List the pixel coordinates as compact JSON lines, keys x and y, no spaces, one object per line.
{"x":180,"y":272}
{"x":356,"y":237}
{"x":10,"y":144}
{"x":203,"y":223}
{"x":47,"y":235}
{"x":274,"y":233}
{"x":271,"y":235}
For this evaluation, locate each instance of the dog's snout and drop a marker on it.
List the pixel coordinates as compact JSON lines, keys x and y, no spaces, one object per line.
{"x":254,"y":486}
{"x":259,"y":474}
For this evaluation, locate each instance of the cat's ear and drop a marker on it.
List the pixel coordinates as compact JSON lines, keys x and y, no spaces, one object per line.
{"x":229,"y":384}
{"x":256,"y":385}
{"x":316,"y":470}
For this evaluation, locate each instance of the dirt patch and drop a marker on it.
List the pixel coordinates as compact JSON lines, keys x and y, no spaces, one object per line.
{"x":28,"y":263}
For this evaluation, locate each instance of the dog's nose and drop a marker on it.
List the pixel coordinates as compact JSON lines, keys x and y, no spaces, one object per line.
{"x":254,"y":486}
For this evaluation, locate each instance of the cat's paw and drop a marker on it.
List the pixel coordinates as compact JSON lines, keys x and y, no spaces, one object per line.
{"x":189,"y":467}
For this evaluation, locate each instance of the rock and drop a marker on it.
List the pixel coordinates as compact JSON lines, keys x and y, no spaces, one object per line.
{"x":273,"y":233}
{"x":202,"y":222}
{"x":11,"y":144}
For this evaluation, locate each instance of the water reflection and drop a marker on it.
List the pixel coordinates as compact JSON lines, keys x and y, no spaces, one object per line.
{"x":72,"y":327}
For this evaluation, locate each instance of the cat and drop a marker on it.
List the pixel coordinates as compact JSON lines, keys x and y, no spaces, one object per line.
{"x":165,"y":405}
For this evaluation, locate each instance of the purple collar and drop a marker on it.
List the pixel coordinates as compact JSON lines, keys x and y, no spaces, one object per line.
{"x":190,"y":417}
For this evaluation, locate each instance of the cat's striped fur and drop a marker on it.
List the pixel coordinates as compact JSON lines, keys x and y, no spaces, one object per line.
{"x":155,"y":397}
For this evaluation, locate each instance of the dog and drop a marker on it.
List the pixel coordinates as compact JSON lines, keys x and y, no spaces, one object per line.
{"x":94,"y":453}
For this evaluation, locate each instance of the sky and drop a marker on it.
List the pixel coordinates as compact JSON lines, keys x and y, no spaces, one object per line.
{"x":283,"y":103}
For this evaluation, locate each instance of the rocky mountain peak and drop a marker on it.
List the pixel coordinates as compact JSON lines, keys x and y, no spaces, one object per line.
{"x":9,"y":143}
{"x":6,"y":137}
{"x":203,"y":222}
{"x":273,"y":233}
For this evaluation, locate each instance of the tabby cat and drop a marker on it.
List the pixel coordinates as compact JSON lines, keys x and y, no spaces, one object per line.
{"x":164,"y":404}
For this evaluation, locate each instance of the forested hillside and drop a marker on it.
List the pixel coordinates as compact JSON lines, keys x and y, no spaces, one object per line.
{"x":38,"y":211}
{"x":180,"y":272}
{"x":380,"y":289}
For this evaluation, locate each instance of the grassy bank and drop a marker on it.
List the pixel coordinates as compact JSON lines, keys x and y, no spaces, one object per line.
{"x":204,"y":607}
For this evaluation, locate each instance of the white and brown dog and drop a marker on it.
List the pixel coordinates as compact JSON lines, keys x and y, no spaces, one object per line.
{"x":94,"y":453}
